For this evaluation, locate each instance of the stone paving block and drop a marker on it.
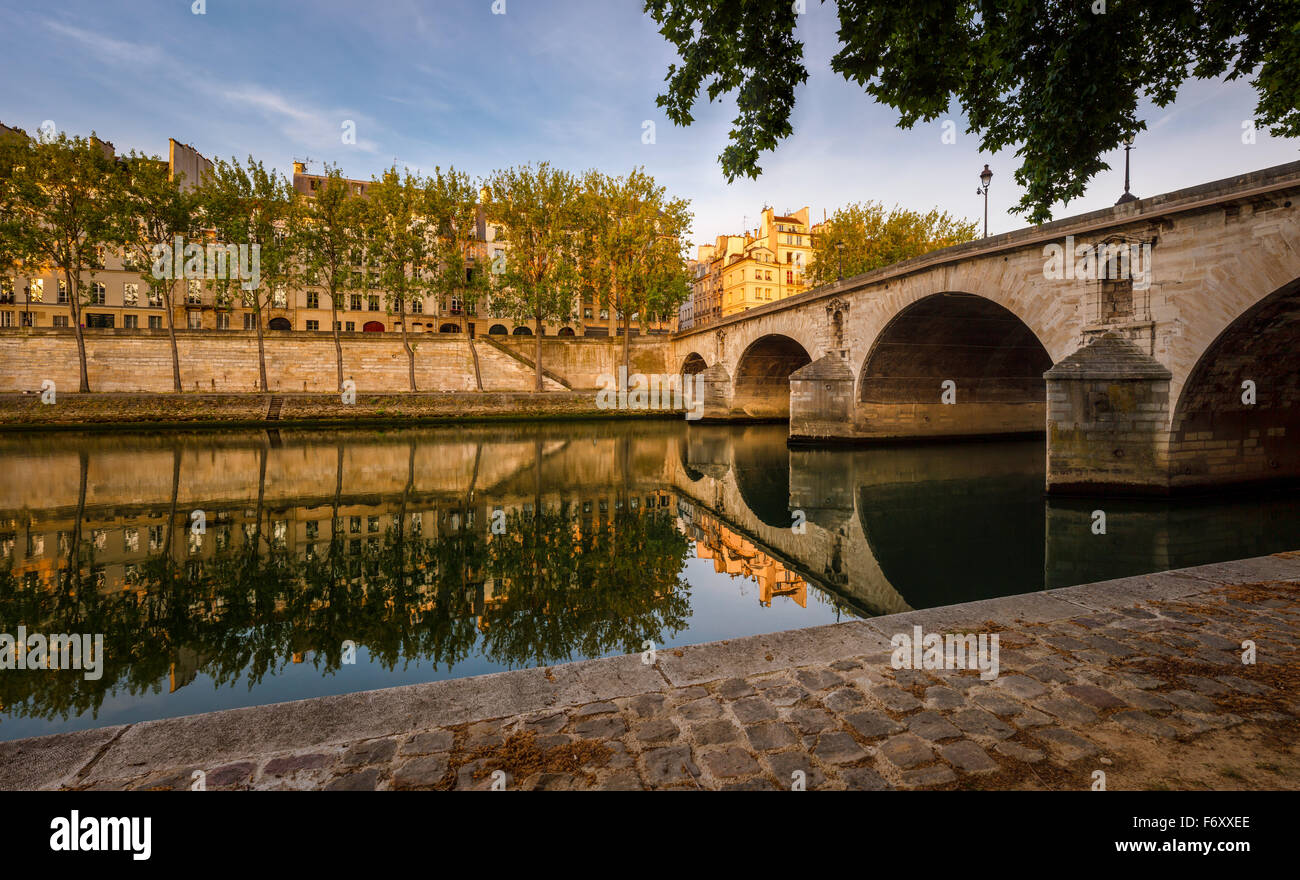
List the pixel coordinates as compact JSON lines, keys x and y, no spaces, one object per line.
{"x":428,"y":742}
{"x":943,"y":697}
{"x":1049,"y":672}
{"x":768,"y":736}
{"x":837,"y":747}
{"x":1067,"y":744}
{"x":1190,"y":701}
{"x":421,"y":772}
{"x":716,"y":733}
{"x":294,"y":763}
{"x":657,"y":731}
{"x":1021,"y":686}
{"x":967,"y":757}
{"x":754,"y":783}
{"x":1017,"y":752}
{"x":1067,"y":709}
{"x":604,"y":707}
{"x":1094,"y":696}
{"x":906,"y":750}
{"x":645,"y":705}
{"x":812,"y":720}
{"x":871,"y":724}
{"x":862,"y":779}
{"x":378,"y":751}
{"x":361,"y":780}
{"x":750,"y":710}
{"x":817,"y":679}
{"x":785,"y":764}
{"x":705,"y":709}
{"x":735,"y":688}
{"x":669,"y":766}
{"x":932,"y":726}
{"x":602,"y":727}
{"x":729,"y":762}
{"x":996,"y":702}
{"x":844,"y":700}
{"x":925,"y":777}
{"x":979,"y":723}
{"x":894,"y":698}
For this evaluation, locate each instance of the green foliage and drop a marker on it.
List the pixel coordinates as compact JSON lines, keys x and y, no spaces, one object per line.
{"x":1052,"y":78}
{"x":873,"y":239}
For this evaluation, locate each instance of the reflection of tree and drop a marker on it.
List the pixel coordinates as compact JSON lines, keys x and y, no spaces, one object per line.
{"x":245,"y":611}
{"x":609,"y":588}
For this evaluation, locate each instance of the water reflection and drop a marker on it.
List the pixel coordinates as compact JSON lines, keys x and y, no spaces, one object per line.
{"x":447,"y":552}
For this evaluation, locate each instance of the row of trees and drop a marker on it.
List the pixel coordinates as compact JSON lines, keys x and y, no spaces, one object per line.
{"x":618,"y":242}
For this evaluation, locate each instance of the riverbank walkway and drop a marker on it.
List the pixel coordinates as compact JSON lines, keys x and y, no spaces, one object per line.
{"x":1133,"y":683}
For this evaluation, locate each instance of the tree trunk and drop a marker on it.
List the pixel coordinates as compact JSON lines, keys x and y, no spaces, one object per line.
{"x":627,"y":340}
{"x":168,"y":299}
{"x":261,"y":350}
{"x":410,"y":352}
{"x":338,"y":345}
{"x":537,"y":351}
{"x":74,"y":298}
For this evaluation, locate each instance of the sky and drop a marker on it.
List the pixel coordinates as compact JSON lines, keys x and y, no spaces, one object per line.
{"x":450,"y":83}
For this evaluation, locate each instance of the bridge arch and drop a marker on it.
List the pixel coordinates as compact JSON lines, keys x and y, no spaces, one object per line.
{"x":1217,"y":434}
{"x":993,"y":360}
{"x":693,"y":363}
{"x":762,"y":384}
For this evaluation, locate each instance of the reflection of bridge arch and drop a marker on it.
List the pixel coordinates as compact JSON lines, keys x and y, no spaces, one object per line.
{"x":983,"y":347}
{"x":762,"y":388}
{"x":1261,"y":345}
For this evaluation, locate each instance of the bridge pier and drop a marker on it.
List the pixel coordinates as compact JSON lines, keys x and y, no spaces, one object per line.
{"x":821,"y":400}
{"x":717,"y":392}
{"x":1108,"y":421}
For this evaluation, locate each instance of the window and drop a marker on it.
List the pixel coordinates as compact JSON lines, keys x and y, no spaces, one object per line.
{"x":279,"y":298}
{"x":155,"y":299}
{"x":130,"y":294}
{"x":155,"y":322}
{"x":96,"y":293}
{"x":97,"y":320}
{"x":250,"y":322}
{"x":60,"y":320}
{"x":313,"y":325}
{"x":36,"y":293}
{"x":131,"y":322}
{"x":313,"y":299}
{"x":6,"y":319}
{"x":27,"y":319}
{"x":372,"y":303}
{"x":195,"y":320}
{"x":223,"y":320}
{"x":604,"y":314}
{"x":417,"y":306}
{"x":6,"y":290}
{"x":63,"y":291}
{"x":356,"y":302}
{"x":194,"y":292}
{"x":350,"y":326}
{"x":586,"y":314}
{"x":128,"y":260}
{"x":789,"y":276}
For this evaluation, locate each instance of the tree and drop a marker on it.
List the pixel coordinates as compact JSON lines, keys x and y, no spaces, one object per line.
{"x":538,"y":208}
{"x":155,"y":210}
{"x":450,"y":202}
{"x":398,"y":245}
{"x":253,"y":207}
{"x":1059,"y":79}
{"x":632,"y":253}
{"x":328,"y":244}
{"x":873,"y":238}
{"x":61,"y":195}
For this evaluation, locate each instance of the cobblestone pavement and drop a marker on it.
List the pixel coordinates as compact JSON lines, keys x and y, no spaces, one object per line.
{"x":1108,"y":683}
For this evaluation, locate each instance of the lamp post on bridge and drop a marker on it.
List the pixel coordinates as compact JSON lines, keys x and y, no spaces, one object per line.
{"x":985,"y":176}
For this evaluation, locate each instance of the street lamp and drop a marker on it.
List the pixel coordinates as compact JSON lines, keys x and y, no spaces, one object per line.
{"x":839,"y":254}
{"x":985,"y":176}
{"x":1128,"y":196}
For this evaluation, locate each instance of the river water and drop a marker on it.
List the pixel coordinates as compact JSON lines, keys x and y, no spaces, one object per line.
{"x":227,"y":569}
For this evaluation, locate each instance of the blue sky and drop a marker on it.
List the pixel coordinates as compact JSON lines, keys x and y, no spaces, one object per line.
{"x":570,"y":81}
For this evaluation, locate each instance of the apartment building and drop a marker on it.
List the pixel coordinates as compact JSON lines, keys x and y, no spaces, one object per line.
{"x":765,"y":264}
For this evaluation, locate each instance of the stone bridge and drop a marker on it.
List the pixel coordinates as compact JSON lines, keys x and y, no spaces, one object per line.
{"x":1156,"y":344}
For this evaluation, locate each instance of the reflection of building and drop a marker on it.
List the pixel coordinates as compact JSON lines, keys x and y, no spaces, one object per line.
{"x":736,"y":555}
